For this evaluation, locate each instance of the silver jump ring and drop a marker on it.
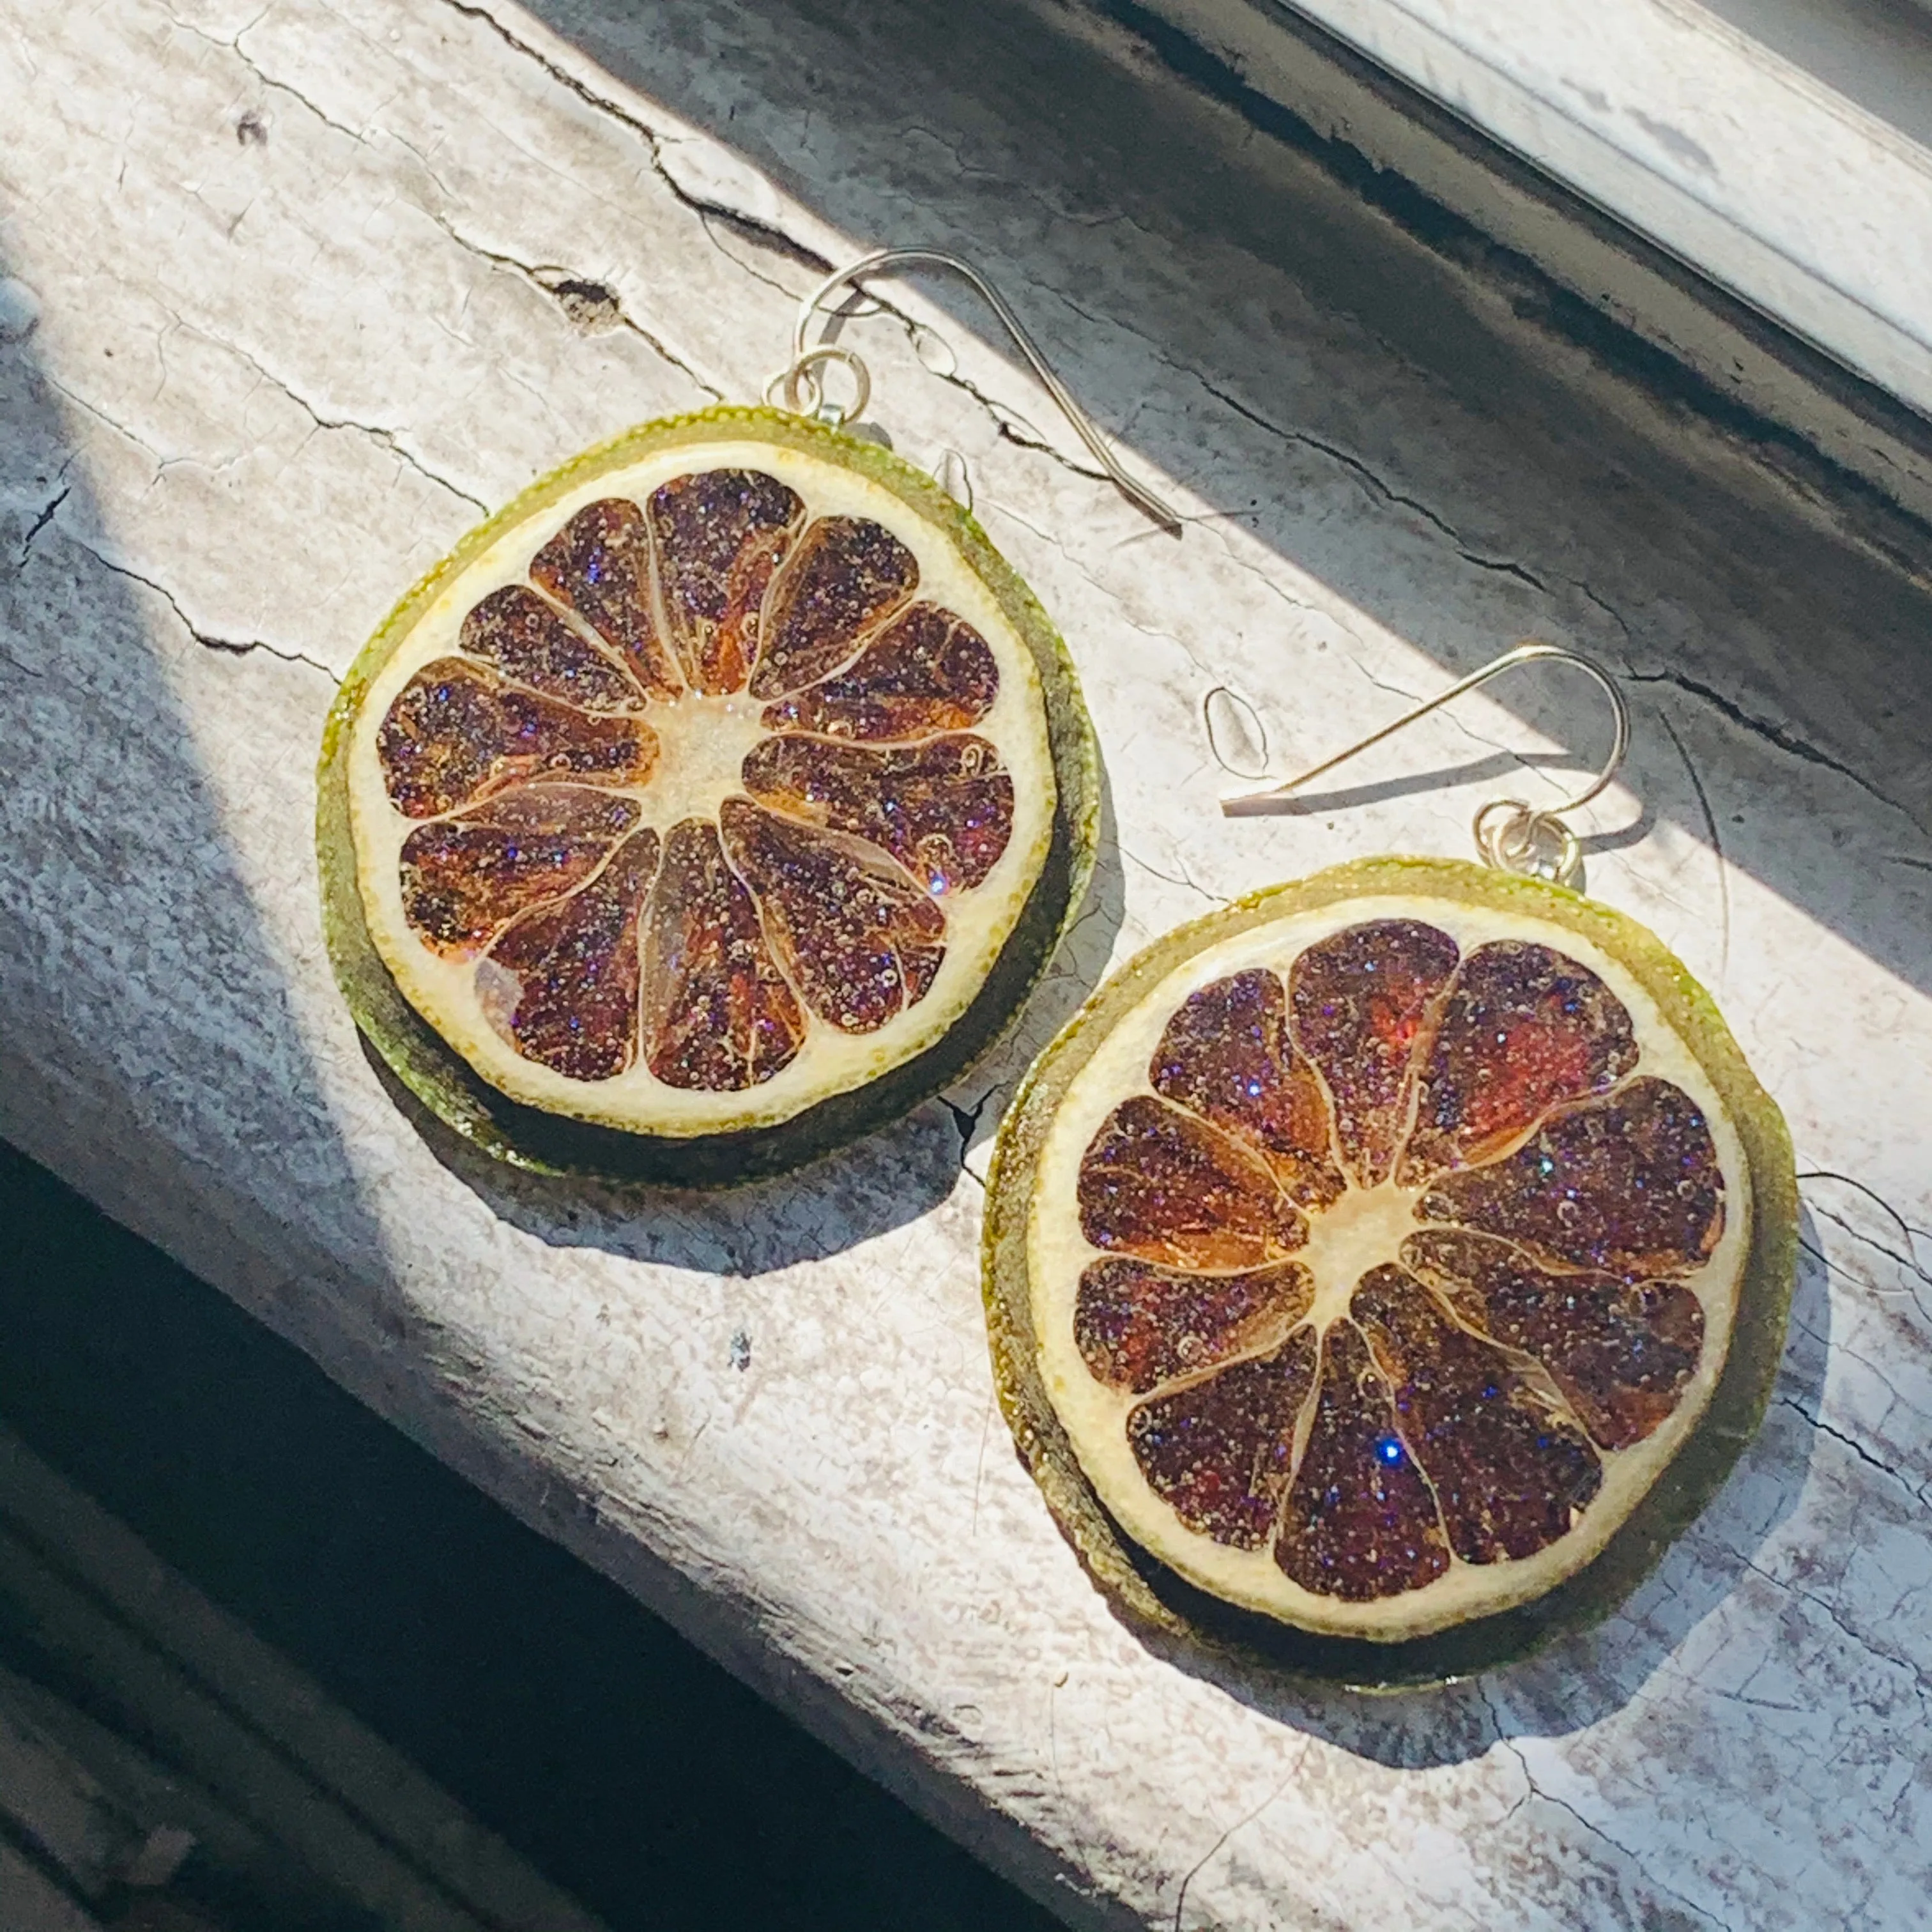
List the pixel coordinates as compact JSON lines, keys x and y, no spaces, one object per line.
{"x":1513,"y":838}
{"x":801,"y":389}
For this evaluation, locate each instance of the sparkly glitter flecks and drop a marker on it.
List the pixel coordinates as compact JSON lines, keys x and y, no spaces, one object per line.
{"x":1544,"y":1200}
{"x":718,"y":1015}
{"x":466,"y":877}
{"x":927,"y":671}
{"x":944,"y":809}
{"x":459,"y":732}
{"x":1161,"y":1184}
{"x":1361,"y":1003}
{"x":825,"y":900}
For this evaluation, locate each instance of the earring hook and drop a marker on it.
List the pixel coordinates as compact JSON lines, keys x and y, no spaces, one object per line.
{"x":802,"y":390}
{"x":1510,"y":834}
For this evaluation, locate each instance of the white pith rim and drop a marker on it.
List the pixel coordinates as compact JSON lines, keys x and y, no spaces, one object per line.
{"x":978,"y":921}
{"x":1095,"y":1416}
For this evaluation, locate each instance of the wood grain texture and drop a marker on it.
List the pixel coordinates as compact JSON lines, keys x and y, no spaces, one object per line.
{"x":295,"y":291}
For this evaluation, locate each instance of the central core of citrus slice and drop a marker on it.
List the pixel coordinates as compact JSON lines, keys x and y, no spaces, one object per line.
{"x":708,"y":800}
{"x":702,"y":743}
{"x":1377,"y":1274}
{"x":1362,"y":1229}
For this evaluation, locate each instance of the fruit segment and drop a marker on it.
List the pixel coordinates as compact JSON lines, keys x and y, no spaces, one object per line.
{"x":528,"y":640}
{"x":1219,"y":1452}
{"x":944,"y":809}
{"x":855,"y":935}
{"x":1620,"y":1351}
{"x":717,"y":1013}
{"x":925,"y":672}
{"x":459,"y":732}
{"x":561,"y":985}
{"x":599,"y":565}
{"x":720,"y":535}
{"x":1523,"y":1029}
{"x":1160,"y":1184}
{"x":1510,"y":1473}
{"x":846,"y":574}
{"x":466,"y":877}
{"x":1360,"y":1522}
{"x":1360,"y":1003}
{"x":1138,"y":1325}
{"x":1225,"y":1056}
{"x":1630,"y":1185}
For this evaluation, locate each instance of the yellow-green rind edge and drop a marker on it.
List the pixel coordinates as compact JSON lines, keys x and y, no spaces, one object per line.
{"x":529,"y":1138}
{"x":1171,"y":1613}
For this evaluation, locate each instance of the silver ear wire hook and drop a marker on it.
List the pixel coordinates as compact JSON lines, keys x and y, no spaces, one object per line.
{"x":1511,"y":835}
{"x":803,"y":390}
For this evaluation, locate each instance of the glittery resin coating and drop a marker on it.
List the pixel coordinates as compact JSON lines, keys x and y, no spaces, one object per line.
{"x":1429,"y":1433}
{"x":702,"y":797}
{"x":753,"y":595}
{"x":1426,"y":1435}
{"x":1377,"y":1266}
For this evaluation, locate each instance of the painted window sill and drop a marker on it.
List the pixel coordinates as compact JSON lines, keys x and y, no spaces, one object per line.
{"x":1779,"y":151}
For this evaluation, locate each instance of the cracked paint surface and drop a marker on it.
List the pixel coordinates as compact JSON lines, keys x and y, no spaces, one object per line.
{"x":308,"y":287}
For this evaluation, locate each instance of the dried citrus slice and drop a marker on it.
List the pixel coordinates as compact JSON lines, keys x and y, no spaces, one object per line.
{"x":1376,"y":1252}
{"x":726,"y":790}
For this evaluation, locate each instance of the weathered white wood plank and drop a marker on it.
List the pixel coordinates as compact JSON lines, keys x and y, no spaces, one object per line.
{"x":297,"y":288}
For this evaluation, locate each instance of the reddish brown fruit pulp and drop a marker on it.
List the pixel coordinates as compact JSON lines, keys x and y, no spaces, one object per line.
{"x":706,"y":777}
{"x":1368,"y":1417}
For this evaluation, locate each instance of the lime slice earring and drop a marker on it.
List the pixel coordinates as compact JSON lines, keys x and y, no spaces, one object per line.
{"x":1382,"y":1271}
{"x":718,"y":799}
